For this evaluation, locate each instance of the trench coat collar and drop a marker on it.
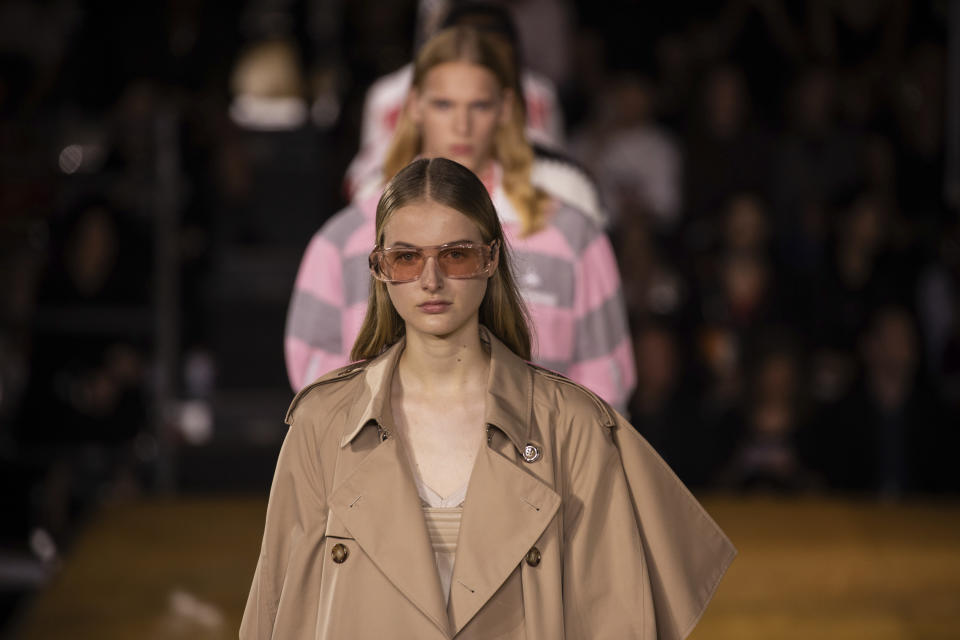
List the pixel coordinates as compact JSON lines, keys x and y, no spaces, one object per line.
{"x":509,"y":403}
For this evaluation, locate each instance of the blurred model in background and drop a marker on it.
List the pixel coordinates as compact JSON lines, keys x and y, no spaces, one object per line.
{"x":463,"y":106}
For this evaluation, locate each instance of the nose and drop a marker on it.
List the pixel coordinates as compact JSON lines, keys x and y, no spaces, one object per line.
{"x":461,"y":122}
{"x":431,"y":279}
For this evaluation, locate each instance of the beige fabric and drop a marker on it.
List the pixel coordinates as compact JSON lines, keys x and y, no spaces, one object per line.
{"x":443,"y":528}
{"x":626,"y":551}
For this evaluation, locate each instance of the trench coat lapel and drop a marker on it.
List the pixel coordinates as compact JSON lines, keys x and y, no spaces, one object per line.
{"x":507,"y":507}
{"x":505,"y":511}
{"x":379,"y":505}
{"x":376,"y":500}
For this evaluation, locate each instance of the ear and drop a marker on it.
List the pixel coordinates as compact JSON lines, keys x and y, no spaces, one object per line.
{"x":494,"y":260}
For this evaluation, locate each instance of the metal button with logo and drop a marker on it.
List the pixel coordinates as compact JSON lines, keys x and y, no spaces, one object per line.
{"x":531,"y":452}
{"x":533,"y":557}
{"x":339,"y":553}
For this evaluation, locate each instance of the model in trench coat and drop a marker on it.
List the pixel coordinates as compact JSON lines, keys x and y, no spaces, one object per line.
{"x":573,"y":526}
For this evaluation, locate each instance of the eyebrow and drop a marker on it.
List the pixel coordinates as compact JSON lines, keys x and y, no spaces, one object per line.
{"x":400,"y":243}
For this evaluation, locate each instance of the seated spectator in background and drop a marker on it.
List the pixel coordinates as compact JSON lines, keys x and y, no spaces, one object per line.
{"x":663,"y":408}
{"x":818,"y":162}
{"x":634,"y":158}
{"x":87,"y":383}
{"x":652,"y":284}
{"x":939,"y":317}
{"x":725,"y":152}
{"x":746,"y":227}
{"x":861,"y":270}
{"x":918,"y":108}
{"x":87,"y":373}
{"x":462,"y":107}
{"x":766,"y":429}
{"x":887,"y":436}
{"x":740,"y":228}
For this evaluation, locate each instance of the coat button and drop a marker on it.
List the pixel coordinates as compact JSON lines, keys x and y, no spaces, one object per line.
{"x":340,"y":553}
{"x":533,"y":557}
{"x":531,"y":452}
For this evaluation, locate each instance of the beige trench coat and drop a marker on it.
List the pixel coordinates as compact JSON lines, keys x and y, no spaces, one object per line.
{"x":625,"y":551}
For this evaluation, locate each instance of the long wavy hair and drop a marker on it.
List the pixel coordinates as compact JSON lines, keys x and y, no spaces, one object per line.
{"x":510,"y":148}
{"x":452,"y":185}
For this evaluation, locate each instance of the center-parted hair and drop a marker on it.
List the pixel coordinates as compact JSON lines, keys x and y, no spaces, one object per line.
{"x":452,"y":185}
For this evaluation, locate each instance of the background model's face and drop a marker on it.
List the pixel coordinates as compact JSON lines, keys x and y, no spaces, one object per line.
{"x":459,"y":109}
{"x":435,"y":305}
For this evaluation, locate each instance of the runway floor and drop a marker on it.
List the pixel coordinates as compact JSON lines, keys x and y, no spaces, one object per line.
{"x":826,"y":569}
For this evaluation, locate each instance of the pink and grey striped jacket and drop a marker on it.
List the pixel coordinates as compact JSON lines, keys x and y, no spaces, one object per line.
{"x":566,"y":272}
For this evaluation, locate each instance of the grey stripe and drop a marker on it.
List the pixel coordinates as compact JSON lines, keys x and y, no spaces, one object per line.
{"x":545,"y":279}
{"x":341,"y":226}
{"x":554,"y":365}
{"x":578,"y":230}
{"x":356,"y":279}
{"x":315,"y":322}
{"x":599,"y":332}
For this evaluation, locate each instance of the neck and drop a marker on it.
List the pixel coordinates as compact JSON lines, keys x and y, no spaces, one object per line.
{"x":487,"y":175}
{"x":444,"y":363}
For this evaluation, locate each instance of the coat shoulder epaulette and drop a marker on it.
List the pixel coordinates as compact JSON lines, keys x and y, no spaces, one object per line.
{"x":337,"y":375}
{"x":605,"y":410}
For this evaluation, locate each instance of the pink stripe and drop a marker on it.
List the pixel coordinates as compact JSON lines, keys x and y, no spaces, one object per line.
{"x":305,"y":364}
{"x":297,"y":353}
{"x":610,"y":377}
{"x":352,"y":321}
{"x":553,"y":331}
{"x":548,"y":242}
{"x":320,"y":271}
{"x":361,"y":241}
{"x":598,"y":279}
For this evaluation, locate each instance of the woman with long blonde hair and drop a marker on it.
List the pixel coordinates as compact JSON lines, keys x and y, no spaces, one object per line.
{"x":443,"y":487}
{"x":463,"y":106}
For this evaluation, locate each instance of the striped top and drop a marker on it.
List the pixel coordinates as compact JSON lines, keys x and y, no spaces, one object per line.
{"x":442,"y":517}
{"x":443,"y":527}
{"x":566,"y":272}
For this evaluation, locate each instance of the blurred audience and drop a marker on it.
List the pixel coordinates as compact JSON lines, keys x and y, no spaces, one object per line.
{"x":887,"y":435}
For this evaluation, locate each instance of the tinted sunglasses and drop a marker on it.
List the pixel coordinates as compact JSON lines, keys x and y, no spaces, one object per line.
{"x":455,"y":260}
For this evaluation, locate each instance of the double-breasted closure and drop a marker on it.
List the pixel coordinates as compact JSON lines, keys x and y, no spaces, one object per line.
{"x":572,"y":527}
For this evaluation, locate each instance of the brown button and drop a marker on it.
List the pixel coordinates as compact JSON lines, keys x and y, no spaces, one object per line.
{"x":340,"y":553}
{"x":533,"y":557}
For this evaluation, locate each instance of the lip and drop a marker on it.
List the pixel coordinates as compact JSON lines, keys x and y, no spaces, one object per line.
{"x":461,"y":149}
{"x":434,"y":306}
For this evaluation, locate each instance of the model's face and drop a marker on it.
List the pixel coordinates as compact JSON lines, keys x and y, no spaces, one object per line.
{"x":434,"y":304}
{"x":458,"y":109}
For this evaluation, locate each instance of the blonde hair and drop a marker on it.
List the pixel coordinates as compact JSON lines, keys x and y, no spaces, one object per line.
{"x":511,"y":149}
{"x":451,"y":184}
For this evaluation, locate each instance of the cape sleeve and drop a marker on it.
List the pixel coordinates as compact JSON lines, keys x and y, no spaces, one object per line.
{"x":606,"y":587}
{"x":296,"y":517}
{"x":686,"y":552}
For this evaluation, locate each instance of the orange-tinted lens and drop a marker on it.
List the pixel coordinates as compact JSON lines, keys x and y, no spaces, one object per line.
{"x":403,"y":264}
{"x":461,"y":262}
